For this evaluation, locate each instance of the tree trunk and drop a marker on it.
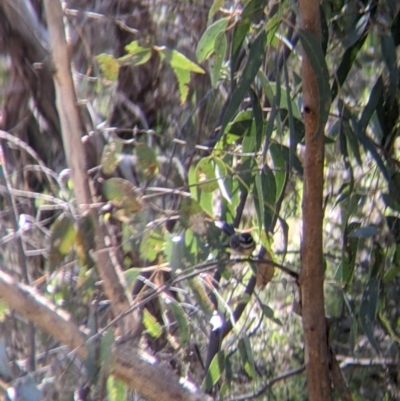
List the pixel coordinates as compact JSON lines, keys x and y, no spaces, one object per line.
{"x":312,"y":271}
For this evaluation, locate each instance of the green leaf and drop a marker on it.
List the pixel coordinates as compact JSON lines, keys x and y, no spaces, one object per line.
{"x":255,"y":59}
{"x":215,"y":371}
{"x":137,"y":55}
{"x":207,"y":42}
{"x":201,"y":295}
{"x":111,"y":156}
{"x":269,"y":196}
{"x":220,"y":47}
{"x":246,"y":173}
{"x":391,"y":201}
{"x":283,"y":98}
{"x":258,"y":118}
{"x":389,"y":54}
{"x":346,"y":63}
{"x":122,"y":194}
{"x":369,"y":145}
{"x":247,"y":357}
{"x":254,"y":9}
{"x":240,"y":126}
{"x":151,"y":325}
{"x":109,"y":66}
{"x":345,"y":271}
{"x":356,"y":26}
{"x":205,"y":175}
{"x":259,"y":200}
{"x":377,"y":265}
{"x":181,"y":66}
{"x":369,"y":309}
{"x":175,"y":251}
{"x":91,"y":361}
{"x":116,"y":389}
{"x":178,"y":60}
{"x":152,"y":244}
{"x":181,"y":319}
{"x":374,"y":99}
{"x":270,"y":314}
{"x":352,"y":141}
{"x":274,"y":99}
{"x":131,"y":276}
{"x":62,"y":239}
{"x":394,"y":269}
{"x":134,"y":48}
{"x":272,"y":28}
{"x":313,"y":50}
{"x":280,"y":152}
{"x":393,"y":223}
{"x":147,"y":160}
{"x":183,"y":77}
{"x":193,"y":217}
{"x":4,"y":308}
{"x":206,"y":199}
{"x":216,"y":5}
{"x":192,"y":179}
{"x":385,"y":323}
{"x":106,"y":346}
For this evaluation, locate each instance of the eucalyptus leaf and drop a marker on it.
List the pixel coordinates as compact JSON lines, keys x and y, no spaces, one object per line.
{"x":369,"y":309}
{"x":207,"y":42}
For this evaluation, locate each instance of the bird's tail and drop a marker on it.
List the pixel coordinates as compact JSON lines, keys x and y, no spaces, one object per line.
{"x":227,"y":228}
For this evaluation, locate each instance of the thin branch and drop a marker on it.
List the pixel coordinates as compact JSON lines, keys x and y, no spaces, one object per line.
{"x":40,"y":311}
{"x":269,"y":384}
{"x":138,"y":370}
{"x":72,"y":131}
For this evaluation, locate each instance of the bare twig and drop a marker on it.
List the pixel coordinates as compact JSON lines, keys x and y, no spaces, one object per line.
{"x":269,"y":384}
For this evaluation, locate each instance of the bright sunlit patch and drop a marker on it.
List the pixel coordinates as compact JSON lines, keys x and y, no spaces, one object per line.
{"x":216,"y":321}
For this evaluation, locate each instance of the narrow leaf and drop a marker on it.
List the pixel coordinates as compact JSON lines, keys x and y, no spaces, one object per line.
{"x":215,"y":371}
{"x":207,"y":41}
{"x":347,"y":62}
{"x":368,"y":310}
{"x":219,"y":56}
{"x":374,"y":99}
{"x":389,"y":54}
{"x":247,"y":357}
{"x":181,"y":319}
{"x":106,"y":346}
{"x":270,"y":314}
{"x":252,"y":10}
{"x":216,"y":5}
{"x":349,"y":254}
{"x":254,"y":62}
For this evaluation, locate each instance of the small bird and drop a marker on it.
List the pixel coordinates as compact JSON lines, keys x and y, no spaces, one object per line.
{"x":240,"y":243}
{"x":244,"y":244}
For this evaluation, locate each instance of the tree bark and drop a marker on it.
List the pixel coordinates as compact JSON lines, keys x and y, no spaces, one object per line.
{"x":138,"y":370}
{"x":312,"y":271}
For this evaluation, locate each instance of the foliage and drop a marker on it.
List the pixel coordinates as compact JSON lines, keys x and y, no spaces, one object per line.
{"x":229,"y":148}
